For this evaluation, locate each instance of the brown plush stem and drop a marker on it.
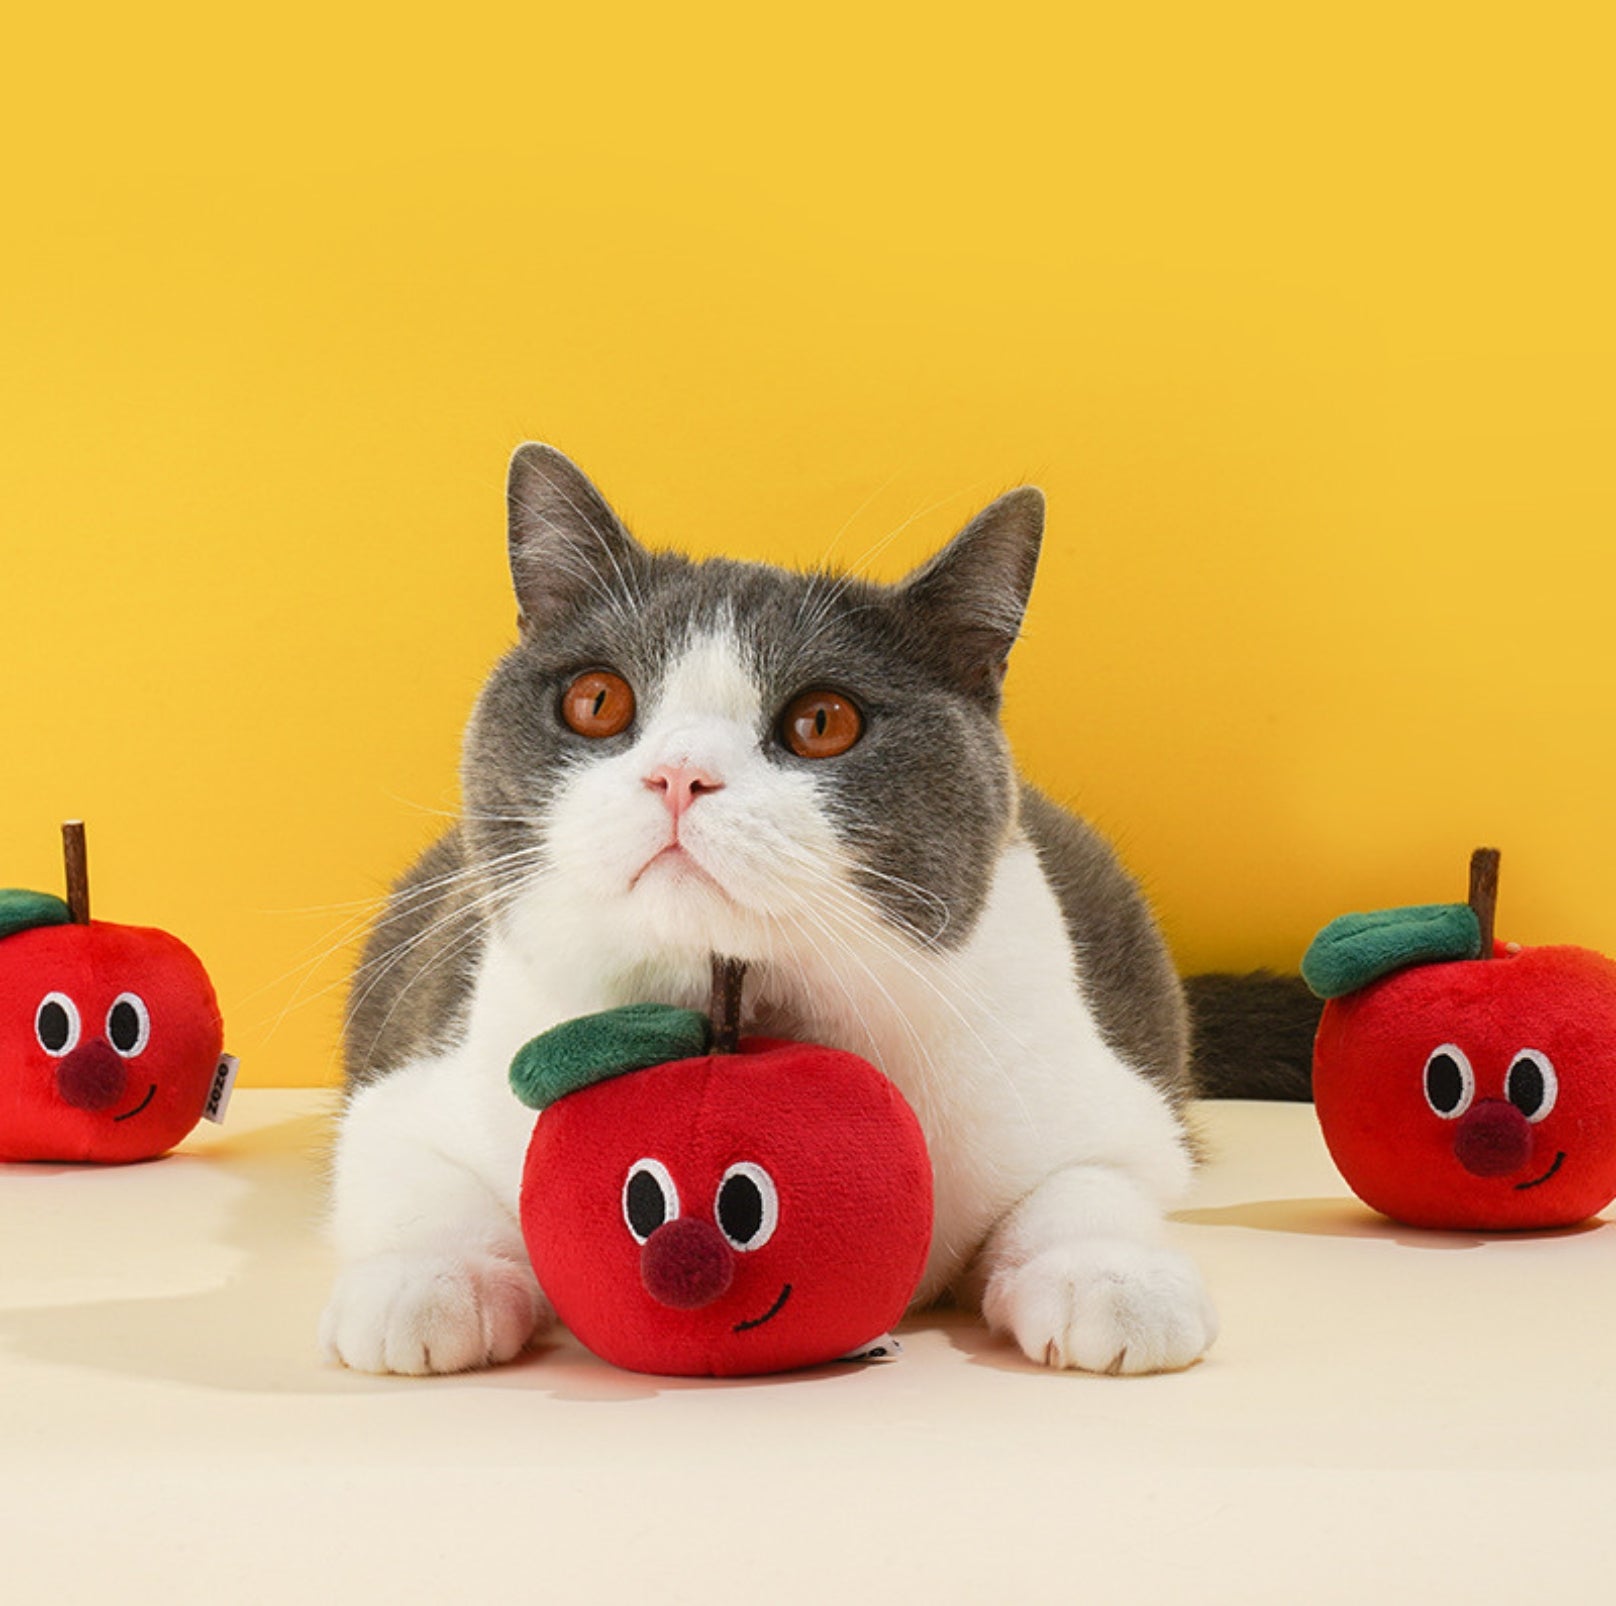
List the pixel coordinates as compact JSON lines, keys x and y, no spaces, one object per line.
{"x":1484,"y":894}
{"x":728,"y":974}
{"x":77,"y":863}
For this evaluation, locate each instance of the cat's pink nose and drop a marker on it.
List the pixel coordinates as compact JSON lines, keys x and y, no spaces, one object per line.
{"x":681,"y":784}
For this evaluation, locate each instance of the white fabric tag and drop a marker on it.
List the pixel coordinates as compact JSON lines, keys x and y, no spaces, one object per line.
{"x":884,"y":1348}
{"x":224,"y":1084}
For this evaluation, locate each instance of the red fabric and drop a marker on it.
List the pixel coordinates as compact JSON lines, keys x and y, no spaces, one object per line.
{"x":1481,"y":1170}
{"x":854,"y":1183}
{"x":92,"y":965}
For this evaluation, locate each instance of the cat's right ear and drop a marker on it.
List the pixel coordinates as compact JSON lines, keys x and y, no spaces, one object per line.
{"x":567,"y":547}
{"x":970,"y":598}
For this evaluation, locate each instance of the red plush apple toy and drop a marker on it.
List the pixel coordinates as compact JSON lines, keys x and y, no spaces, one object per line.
{"x":1460,"y":1083}
{"x":698,"y":1205}
{"x":110,"y":1036}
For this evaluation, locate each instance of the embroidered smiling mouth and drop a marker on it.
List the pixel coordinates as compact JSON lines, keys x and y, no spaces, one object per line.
{"x":151,"y":1093}
{"x":1559,"y":1160}
{"x":767,"y":1316}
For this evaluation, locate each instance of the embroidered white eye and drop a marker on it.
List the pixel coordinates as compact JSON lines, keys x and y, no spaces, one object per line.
{"x":56,"y":1024}
{"x":129,"y":1024}
{"x":1450,"y":1084}
{"x":747,"y":1206}
{"x":649,"y":1198}
{"x":1531,"y":1085}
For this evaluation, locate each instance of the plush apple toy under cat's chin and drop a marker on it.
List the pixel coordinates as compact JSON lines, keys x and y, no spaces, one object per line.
{"x":696,"y":1205}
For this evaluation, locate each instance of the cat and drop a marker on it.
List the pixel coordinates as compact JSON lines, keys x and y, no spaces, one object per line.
{"x":807,"y":772}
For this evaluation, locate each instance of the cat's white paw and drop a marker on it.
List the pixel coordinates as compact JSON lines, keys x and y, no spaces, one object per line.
{"x":1104,"y":1305}
{"x":431,"y":1313}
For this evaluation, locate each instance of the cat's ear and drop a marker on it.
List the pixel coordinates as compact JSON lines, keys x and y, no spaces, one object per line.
{"x":567,"y":547}
{"x":969,"y":599}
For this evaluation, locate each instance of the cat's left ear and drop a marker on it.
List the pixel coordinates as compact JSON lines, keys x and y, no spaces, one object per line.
{"x":969,"y":600}
{"x":567,"y":547}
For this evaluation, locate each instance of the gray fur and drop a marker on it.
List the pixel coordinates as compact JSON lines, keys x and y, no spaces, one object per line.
{"x":1253,"y":1036}
{"x":927,"y":797}
{"x":411,"y":990}
{"x":1126,"y":974}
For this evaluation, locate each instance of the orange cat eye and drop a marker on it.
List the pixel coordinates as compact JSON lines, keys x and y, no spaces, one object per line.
{"x":598,"y":703}
{"x":820,"y":724}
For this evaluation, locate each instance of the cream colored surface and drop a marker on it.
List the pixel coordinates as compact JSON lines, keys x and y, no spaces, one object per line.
{"x":1389,"y":1416}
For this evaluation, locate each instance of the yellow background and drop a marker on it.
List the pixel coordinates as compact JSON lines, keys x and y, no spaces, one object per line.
{"x":1303,"y":317}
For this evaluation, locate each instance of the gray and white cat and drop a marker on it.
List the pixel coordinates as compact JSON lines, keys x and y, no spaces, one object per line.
{"x":808,"y":773}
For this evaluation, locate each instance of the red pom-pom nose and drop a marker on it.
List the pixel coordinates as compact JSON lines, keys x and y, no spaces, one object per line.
{"x":1493,"y":1139}
{"x":91,"y":1077}
{"x":685,"y":1263}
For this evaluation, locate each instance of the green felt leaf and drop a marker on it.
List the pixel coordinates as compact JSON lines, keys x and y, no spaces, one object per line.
{"x":22,"y":911}
{"x":1357,"y":949}
{"x":579,"y":1053}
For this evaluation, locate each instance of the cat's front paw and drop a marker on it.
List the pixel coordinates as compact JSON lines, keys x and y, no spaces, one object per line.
{"x":1104,"y":1305}
{"x":430,"y":1313}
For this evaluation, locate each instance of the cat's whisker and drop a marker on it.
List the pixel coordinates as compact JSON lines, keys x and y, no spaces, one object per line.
{"x":863,"y":870}
{"x":363,"y":909}
{"x":474,"y":915}
{"x":479,"y":871}
{"x":447,"y":952}
{"x":932,"y":1088}
{"x":504,"y":898}
{"x":392,"y":903}
{"x":868,"y":1037}
{"x":302,"y":999}
{"x":462,"y":813}
{"x":946,"y":997}
{"x":852,"y":576}
{"x":777,"y":850}
{"x":375,"y":969}
{"x":348,"y":932}
{"x":809,"y":892}
{"x":862,"y":925}
{"x":848,"y":522}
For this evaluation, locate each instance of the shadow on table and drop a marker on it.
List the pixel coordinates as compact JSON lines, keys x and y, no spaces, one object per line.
{"x":1346,"y":1218}
{"x":564,"y":1371}
{"x":255,"y":1333}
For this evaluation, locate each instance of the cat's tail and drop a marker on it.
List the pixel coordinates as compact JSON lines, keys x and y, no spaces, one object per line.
{"x":1252,"y":1035}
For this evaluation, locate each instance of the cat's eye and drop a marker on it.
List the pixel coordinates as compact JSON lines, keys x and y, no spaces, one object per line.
{"x":598,"y":703}
{"x":747,"y":1207}
{"x":649,"y":1198}
{"x":820,"y":724}
{"x":1450,"y":1084}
